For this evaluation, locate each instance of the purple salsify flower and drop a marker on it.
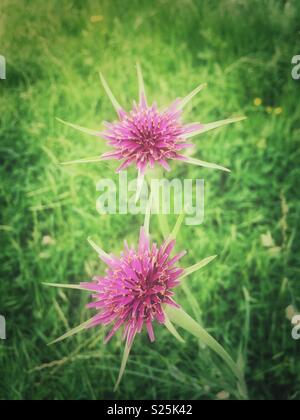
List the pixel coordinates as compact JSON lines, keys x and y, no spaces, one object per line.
{"x":146,"y":136}
{"x":135,"y":288}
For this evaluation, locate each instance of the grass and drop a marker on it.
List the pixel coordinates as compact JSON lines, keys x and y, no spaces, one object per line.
{"x":243,"y":50}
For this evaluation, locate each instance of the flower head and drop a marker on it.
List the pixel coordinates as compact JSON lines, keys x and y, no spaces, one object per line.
{"x":135,"y":288}
{"x":146,"y":136}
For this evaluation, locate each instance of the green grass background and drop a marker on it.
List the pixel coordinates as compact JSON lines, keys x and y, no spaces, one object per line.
{"x":243,"y":50}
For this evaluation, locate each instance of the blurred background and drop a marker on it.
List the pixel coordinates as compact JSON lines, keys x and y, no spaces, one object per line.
{"x":248,"y":296}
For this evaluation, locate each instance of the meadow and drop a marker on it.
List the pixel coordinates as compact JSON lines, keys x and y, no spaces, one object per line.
{"x":247,"y":297}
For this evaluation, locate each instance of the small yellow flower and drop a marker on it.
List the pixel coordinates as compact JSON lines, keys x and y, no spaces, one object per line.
{"x":257,"y":101}
{"x":278,"y":110}
{"x":269,"y":109}
{"x":95,"y":19}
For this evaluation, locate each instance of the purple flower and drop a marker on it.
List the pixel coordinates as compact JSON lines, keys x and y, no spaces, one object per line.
{"x":147,"y":136}
{"x":136,"y":288}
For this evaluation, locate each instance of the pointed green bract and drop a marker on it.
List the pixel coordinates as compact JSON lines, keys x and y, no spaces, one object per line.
{"x":183,"y":320}
{"x":79,"y":128}
{"x":204,"y":164}
{"x":97,"y":248}
{"x":212,"y":126}
{"x":198,"y":266}
{"x":142,"y":92}
{"x":72,"y":332}
{"x":111,"y":96}
{"x":87,"y":160}
{"x":164,"y":225}
{"x":177,"y":226}
{"x":190,"y":96}
{"x":173,"y":235}
{"x":123,"y":366}
{"x":66,"y":286}
{"x":172,"y":329}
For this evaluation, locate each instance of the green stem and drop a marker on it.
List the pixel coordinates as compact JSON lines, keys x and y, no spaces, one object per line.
{"x":162,"y":218}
